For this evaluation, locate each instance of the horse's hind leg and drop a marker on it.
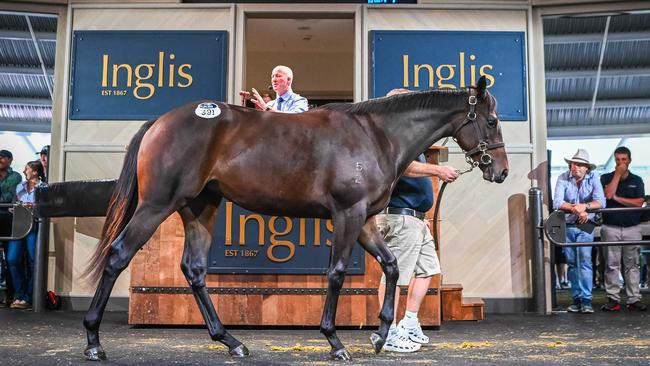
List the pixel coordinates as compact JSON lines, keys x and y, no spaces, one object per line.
{"x":198,"y":220}
{"x":373,"y":242}
{"x":347,"y":225}
{"x":142,"y":225}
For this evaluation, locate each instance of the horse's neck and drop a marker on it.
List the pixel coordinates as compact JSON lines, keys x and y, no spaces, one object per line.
{"x":413,"y":132}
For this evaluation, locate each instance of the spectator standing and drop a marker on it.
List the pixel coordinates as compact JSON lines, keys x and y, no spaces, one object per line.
{"x":8,"y":182}
{"x":578,"y":190}
{"x":622,"y":189}
{"x":22,"y":270}
{"x":45,"y":158}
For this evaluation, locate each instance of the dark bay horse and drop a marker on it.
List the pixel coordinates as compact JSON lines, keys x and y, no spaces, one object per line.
{"x":339,"y":161}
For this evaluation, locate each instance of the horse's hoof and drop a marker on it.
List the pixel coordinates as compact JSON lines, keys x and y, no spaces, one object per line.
{"x":95,"y":353}
{"x":340,"y":355}
{"x":377,"y":342}
{"x":239,"y":351}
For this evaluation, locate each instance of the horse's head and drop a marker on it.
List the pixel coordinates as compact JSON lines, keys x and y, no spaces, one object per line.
{"x":478,"y":133}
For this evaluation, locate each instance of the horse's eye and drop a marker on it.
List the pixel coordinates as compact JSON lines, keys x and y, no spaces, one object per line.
{"x":492,"y":122}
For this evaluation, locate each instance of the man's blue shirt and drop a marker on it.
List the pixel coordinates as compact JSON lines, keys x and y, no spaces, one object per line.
{"x":291,"y":102}
{"x":566,"y":190}
{"x":413,"y":193}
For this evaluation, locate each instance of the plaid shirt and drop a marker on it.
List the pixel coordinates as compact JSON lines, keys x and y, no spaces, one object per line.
{"x":8,"y":186}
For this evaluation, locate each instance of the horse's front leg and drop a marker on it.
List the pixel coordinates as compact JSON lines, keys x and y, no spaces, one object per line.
{"x":198,"y":220}
{"x":347,"y":224}
{"x":372,"y":240}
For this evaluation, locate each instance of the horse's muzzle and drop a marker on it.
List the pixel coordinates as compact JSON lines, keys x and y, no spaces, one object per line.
{"x":492,"y":176}
{"x":499,"y":178}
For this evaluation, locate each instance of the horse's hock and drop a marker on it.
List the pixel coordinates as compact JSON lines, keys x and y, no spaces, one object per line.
{"x":160,"y":293}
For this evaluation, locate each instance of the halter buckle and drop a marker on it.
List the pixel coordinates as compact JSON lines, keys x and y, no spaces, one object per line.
{"x":486,"y":159}
{"x":482,"y":146}
{"x":472,"y":100}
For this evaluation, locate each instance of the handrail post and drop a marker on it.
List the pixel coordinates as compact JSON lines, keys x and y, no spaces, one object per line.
{"x":40,"y":265}
{"x":537,"y":241}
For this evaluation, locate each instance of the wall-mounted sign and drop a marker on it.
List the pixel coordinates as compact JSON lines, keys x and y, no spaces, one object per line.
{"x":421,"y":60}
{"x":247,"y":242}
{"x":143,"y":74}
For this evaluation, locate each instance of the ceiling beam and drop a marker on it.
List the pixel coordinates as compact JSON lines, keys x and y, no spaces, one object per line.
{"x":595,"y":37}
{"x":600,"y":131}
{"x":607,"y":103}
{"x":24,"y":70}
{"x":591,"y":73}
{"x":26,"y":101}
{"x":18,"y":35}
{"x":25,"y":125}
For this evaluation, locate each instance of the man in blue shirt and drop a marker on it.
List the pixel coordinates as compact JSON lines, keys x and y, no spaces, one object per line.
{"x":576,"y":191}
{"x":286,"y":100}
{"x":622,"y":189}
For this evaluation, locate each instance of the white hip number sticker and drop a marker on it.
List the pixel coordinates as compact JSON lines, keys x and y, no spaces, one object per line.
{"x":207,"y":110}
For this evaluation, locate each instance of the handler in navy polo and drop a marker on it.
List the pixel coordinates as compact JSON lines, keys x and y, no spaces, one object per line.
{"x":408,"y":236}
{"x":622,"y":189}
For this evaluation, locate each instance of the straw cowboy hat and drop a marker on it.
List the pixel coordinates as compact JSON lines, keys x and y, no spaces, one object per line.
{"x":581,"y":156}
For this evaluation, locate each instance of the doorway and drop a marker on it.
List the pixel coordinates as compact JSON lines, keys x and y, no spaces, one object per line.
{"x":319,"y":48}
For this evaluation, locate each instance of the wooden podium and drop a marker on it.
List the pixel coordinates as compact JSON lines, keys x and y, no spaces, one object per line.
{"x":159,"y":293}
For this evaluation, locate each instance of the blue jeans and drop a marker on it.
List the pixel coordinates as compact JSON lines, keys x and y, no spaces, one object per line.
{"x":580,"y":266}
{"x":21,"y":272}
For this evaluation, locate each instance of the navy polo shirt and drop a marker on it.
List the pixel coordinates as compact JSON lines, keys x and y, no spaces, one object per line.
{"x":413,"y":193}
{"x":631,"y":187}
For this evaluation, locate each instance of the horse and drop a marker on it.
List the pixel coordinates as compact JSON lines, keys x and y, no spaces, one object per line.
{"x":338,"y":161}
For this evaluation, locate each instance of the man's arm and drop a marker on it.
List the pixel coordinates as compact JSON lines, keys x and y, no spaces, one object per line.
{"x":610,"y":188}
{"x":558,"y":198}
{"x":417,"y":170}
{"x":633,"y":202}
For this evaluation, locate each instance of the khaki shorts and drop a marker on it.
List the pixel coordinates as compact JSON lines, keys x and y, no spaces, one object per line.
{"x":412,"y":244}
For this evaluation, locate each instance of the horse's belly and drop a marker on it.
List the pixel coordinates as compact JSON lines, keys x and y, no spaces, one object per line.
{"x":277,"y":203}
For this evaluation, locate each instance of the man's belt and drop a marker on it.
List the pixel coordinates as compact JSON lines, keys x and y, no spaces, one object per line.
{"x":403,"y":211}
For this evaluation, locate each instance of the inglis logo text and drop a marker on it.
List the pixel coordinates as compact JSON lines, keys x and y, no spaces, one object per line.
{"x":142,"y":80}
{"x":444,"y":76}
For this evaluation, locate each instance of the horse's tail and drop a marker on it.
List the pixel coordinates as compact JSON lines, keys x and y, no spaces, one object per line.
{"x":120,"y":208}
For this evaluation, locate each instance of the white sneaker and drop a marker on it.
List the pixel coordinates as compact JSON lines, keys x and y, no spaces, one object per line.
{"x":415,"y":333}
{"x":400,"y":342}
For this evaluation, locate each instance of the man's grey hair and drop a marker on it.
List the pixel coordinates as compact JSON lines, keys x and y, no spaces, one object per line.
{"x":286,"y":70}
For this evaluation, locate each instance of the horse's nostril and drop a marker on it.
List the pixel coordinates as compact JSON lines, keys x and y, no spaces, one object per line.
{"x":504,"y":173}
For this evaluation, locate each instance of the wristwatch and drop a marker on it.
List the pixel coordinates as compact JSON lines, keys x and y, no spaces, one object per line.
{"x":267,"y":108}
{"x":588,"y":205}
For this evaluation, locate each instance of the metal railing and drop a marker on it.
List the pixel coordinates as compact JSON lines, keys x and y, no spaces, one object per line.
{"x":22,"y":220}
{"x":22,"y":223}
{"x":555,"y":229}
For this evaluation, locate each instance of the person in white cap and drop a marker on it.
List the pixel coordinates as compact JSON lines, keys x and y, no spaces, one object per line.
{"x":577,"y":191}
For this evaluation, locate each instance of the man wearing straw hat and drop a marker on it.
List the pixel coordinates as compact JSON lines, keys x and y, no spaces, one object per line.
{"x":578,"y":190}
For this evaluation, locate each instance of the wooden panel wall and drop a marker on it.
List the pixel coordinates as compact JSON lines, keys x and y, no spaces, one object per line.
{"x":158,"y":265}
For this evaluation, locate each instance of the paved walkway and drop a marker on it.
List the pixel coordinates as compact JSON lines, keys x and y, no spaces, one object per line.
{"x":58,"y":338}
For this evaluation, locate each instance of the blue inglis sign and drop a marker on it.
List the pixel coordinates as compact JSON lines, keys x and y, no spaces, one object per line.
{"x":143,"y":74}
{"x":421,"y":60}
{"x":246,"y":242}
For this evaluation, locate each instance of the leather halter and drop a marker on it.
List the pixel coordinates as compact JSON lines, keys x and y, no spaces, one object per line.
{"x":483,"y":144}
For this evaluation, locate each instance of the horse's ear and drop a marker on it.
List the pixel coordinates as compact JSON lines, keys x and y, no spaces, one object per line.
{"x":481,"y":86}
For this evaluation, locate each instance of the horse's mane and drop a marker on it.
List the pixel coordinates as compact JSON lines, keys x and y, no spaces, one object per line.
{"x":437,"y":99}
